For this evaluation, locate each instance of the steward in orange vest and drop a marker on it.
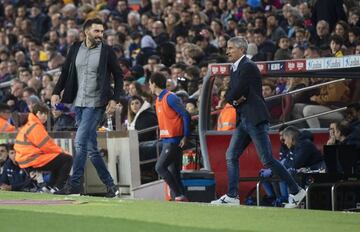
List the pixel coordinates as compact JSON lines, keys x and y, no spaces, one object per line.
{"x":36,"y":149}
{"x":170,"y":122}
{"x":5,"y":113}
{"x":227,"y":118}
{"x":174,"y":125}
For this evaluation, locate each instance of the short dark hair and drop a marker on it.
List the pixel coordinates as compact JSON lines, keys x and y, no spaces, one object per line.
{"x":260,"y":31}
{"x":270,"y":84}
{"x":158,"y":79}
{"x":4,"y":108}
{"x":193,"y":71}
{"x":337,"y":39}
{"x":357,"y":43}
{"x":355,"y":30}
{"x":40,"y":107}
{"x":179,"y":65}
{"x":4,"y":145}
{"x":30,"y":90}
{"x":344,"y":128}
{"x":90,"y":22}
{"x":155,"y":57}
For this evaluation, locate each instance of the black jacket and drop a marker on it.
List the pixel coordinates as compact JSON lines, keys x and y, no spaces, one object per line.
{"x":146,"y":119}
{"x":40,"y":25}
{"x":108,"y":65}
{"x":246,"y":81}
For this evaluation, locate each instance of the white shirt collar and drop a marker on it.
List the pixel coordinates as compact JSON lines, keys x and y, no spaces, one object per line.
{"x":236,"y":64}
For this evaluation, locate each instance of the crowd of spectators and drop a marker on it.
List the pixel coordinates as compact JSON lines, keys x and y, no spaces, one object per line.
{"x":178,"y":38}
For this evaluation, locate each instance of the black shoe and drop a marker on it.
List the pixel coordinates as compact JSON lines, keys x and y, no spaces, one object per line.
{"x":112,"y":191}
{"x":68,"y":190}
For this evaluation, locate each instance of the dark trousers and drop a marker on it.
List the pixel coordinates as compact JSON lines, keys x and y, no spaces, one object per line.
{"x":168,"y":167}
{"x":60,"y":168}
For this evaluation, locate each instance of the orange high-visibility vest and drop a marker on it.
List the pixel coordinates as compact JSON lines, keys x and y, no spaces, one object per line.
{"x":33,"y":145}
{"x":5,"y":126}
{"x":170,"y":122}
{"x":227,"y":118}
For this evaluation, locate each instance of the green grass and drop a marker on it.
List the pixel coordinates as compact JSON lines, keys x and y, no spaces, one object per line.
{"x":100,"y":214}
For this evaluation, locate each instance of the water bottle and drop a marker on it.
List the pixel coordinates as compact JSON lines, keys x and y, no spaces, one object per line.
{"x":109,"y":124}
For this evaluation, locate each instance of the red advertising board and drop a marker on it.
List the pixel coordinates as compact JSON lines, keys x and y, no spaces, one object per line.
{"x":295,"y":66}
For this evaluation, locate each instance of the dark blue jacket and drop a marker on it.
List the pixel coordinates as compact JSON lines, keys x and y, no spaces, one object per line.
{"x":246,"y":81}
{"x":304,"y":155}
{"x":16,"y":177}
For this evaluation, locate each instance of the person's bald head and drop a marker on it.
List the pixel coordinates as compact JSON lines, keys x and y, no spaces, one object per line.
{"x":157,"y":28}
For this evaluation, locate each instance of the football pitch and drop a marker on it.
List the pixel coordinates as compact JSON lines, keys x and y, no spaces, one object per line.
{"x":48,"y":213}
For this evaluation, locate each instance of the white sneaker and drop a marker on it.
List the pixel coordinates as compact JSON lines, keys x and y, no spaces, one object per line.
{"x":295,"y":200}
{"x":50,"y":190}
{"x":53,"y":190}
{"x":45,"y":189}
{"x":226,"y":200}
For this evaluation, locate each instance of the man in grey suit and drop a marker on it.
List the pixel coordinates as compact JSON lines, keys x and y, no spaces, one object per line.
{"x":245,"y":94}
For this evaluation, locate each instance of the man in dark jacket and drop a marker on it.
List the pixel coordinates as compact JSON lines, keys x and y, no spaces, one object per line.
{"x":13,"y":177}
{"x":297,"y":151}
{"x":266,"y":47}
{"x":303,"y":152}
{"x":183,"y":27}
{"x":245,"y":94}
{"x":41,"y":23}
{"x":85,"y":79}
{"x":158,"y":33}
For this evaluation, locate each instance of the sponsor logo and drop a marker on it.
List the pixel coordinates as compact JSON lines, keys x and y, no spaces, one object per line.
{"x":276,"y":66}
{"x":351,"y":61}
{"x":214,"y":70}
{"x":333,"y":63}
{"x":295,"y":66}
{"x":313,"y":64}
{"x":261,"y":67}
{"x":220,"y":69}
{"x":224,"y":69}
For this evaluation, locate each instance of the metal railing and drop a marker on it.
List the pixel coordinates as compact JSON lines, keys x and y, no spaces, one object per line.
{"x":304,"y":89}
{"x":308,"y":117}
{"x":149,"y":129}
{"x":294,"y":92}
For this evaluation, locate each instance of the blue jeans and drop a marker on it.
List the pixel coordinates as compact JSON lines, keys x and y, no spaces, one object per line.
{"x":87,"y":120}
{"x":244,"y":133}
{"x":269,"y":189}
